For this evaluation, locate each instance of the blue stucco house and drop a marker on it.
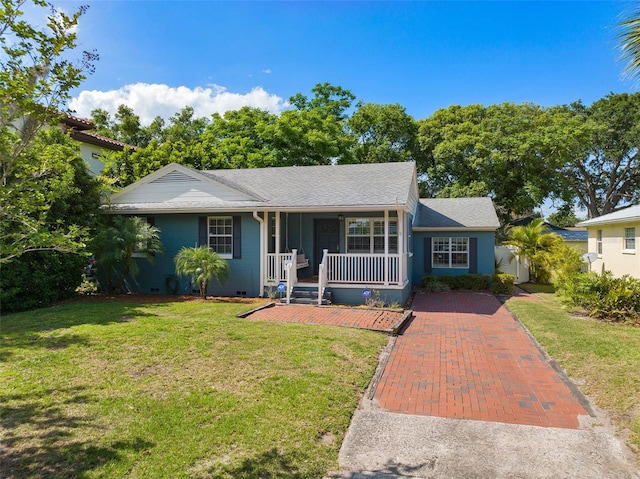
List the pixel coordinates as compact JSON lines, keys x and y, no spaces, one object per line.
{"x":334,"y":228}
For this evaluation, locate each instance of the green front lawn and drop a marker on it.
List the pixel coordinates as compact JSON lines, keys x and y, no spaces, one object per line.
{"x":177,"y":389}
{"x":603,"y":357}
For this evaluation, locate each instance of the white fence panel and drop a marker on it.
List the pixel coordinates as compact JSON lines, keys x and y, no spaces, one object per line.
{"x":509,"y":263}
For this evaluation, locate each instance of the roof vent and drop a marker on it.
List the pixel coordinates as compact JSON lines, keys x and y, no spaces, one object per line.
{"x":176,"y":177}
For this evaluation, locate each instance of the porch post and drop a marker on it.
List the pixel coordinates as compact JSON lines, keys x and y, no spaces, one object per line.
{"x":263,"y":247}
{"x":386,"y":247}
{"x":277,"y":248}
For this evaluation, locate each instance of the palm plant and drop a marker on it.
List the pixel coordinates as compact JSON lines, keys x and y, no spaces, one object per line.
{"x":534,"y":243}
{"x":202,"y":265}
{"x":629,"y":37}
{"x":118,"y":245}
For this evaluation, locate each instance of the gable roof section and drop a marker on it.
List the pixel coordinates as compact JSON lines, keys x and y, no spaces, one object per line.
{"x":378,"y":185}
{"x":178,"y":188}
{"x":625,"y":215}
{"x":455,"y":214}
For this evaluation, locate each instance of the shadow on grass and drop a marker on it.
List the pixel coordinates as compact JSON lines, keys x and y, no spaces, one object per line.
{"x":47,"y":328}
{"x":46,"y":440}
{"x":269,"y":464}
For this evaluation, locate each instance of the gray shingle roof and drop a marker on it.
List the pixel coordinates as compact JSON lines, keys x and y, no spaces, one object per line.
{"x":378,"y":184}
{"x":630,"y":213}
{"x":456,"y":213}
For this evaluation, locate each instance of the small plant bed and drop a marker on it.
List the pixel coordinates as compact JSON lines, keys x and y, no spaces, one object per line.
{"x":602,"y":357}
{"x":496,"y":284}
{"x":181,"y":389}
{"x":603,"y":296}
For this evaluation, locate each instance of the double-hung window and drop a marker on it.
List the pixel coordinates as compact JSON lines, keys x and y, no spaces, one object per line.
{"x":450,"y":252}
{"x":599,"y":243}
{"x":629,"y":240}
{"x":221,"y":235}
{"x":366,"y":235}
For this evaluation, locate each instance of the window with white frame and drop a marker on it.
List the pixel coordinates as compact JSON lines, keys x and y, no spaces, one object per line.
{"x":599,"y":242}
{"x":366,"y":235}
{"x":630,"y":239}
{"x":221,"y":235}
{"x":450,"y":252}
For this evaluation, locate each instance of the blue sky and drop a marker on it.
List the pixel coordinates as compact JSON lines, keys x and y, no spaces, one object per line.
{"x":158,"y":56}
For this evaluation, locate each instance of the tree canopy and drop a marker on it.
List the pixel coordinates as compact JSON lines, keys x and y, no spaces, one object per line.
{"x":508,"y":151}
{"x":520,"y":155}
{"x":383,"y":133}
{"x":602,"y":168}
{"x":37,"y":167}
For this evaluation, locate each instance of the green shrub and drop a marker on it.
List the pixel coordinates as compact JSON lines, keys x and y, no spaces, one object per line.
{"x":470,"y":282}
{"x":433,"y":284}
{"x":427,"y":279}
{"x":438,"y":287}
{"x":502,"y":283}
{"x":38,"y":278}
{"x":603,"y":296}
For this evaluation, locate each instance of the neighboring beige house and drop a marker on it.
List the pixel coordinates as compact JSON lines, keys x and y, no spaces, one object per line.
{"x":615,"y":238}
{"x":92,"y":145}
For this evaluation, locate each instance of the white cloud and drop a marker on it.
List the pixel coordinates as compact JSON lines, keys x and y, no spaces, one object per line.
{"x":151,"y":100}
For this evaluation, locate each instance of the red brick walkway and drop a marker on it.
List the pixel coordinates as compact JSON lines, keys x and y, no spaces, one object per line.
{"x":376,"y":320}
{"x":464,"y":356}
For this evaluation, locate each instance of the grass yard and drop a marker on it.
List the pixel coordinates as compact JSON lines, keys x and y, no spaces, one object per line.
{"x":175,"y":389}
{"x":604,"y":358}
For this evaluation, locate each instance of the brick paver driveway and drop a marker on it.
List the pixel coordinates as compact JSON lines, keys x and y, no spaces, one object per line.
{"x":464,"y":356}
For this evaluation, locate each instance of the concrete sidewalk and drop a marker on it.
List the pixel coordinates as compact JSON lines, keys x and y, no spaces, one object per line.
{"x":466,"y":393}
{"x":382,"y":444}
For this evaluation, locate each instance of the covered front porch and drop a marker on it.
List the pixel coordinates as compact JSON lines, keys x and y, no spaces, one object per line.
{"x":341,"y":251}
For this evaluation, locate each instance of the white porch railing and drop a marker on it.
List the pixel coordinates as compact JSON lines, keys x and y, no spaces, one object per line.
{"x":364,"y":268}
{"x":276,"y":263}
{"x":338,"y":268}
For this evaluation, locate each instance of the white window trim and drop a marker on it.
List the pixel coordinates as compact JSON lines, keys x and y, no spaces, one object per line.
{"x":450,"y":252}
{"x":209,"y":235}
{"x":371,"y":233}
{"x":599,"y":243}
{"x":626,"y":250}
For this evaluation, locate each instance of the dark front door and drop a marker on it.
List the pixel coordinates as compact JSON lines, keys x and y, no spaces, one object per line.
{"x":326,"y":234}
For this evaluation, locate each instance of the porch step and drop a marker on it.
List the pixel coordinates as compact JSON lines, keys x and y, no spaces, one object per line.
{"x":300,"y":296}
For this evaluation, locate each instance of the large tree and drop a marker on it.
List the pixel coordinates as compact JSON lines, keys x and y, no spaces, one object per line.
{"x":157,"y":145}
{"x":602,"y":170}
{"x":36,"y":78}
{"x":315,"y":131}
{"x":510,"y":152}
{"x":241,"y":138}
{"x":384,"y":133}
